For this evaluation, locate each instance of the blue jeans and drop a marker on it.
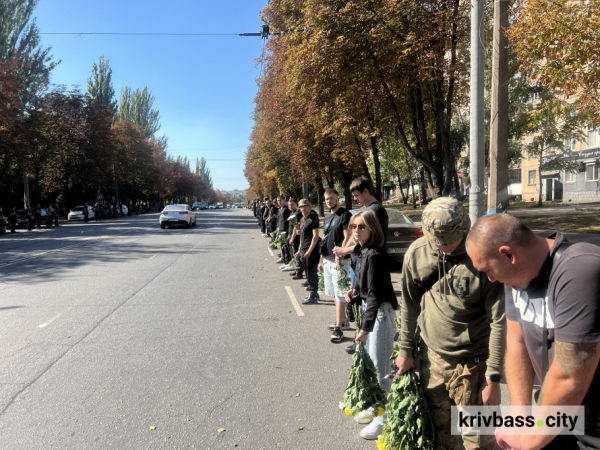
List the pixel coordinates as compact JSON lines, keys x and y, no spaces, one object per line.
{"x":380,"y":346}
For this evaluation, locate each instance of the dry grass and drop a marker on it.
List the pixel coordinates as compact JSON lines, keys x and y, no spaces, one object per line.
{"x":585,"y":222}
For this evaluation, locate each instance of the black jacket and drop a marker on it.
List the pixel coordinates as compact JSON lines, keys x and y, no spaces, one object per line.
{"x":372,"y":281}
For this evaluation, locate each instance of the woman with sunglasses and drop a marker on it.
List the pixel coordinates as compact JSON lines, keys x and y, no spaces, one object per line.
{"x":373,"y":285}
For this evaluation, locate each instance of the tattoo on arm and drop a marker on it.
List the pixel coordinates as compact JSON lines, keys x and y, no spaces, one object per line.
{"x":573,"y":356}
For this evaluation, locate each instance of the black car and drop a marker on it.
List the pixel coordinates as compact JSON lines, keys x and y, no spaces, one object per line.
{"x":22,"y":220}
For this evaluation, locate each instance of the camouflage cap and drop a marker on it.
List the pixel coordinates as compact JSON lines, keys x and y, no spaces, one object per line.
{"x":445,"y":221}
{"x":304,"y":202}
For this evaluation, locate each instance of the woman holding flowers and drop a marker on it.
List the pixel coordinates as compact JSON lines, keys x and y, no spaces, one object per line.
{"x":373,"y":285}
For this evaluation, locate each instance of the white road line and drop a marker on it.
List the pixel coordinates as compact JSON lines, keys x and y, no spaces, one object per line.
{"x":294,"y":301}
{"x":185,"y":237}
{"x":271,"y":252}
{"x":152,"y":257}
{"x":45,"y":324}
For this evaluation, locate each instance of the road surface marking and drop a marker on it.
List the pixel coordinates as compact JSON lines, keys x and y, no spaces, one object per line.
{"x":45,"y":324}
{"x":185,"y":237}
{"x":152,"y":257}
{"x":271,"y":252}
{"x":294,"y":301}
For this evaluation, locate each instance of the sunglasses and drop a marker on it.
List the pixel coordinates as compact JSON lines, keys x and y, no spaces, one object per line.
{"x":361,"y":227}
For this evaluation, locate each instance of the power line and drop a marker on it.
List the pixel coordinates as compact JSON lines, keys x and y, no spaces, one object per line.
{"x":144,"y":34}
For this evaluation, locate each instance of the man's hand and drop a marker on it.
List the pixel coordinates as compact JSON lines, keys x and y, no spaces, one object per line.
{"x":404,"y":364}
{"x":349,"y":295}
{"x":291,"y":241}
{"x":320,"y":268}
{"x":307,"y":254}
{"x":297,"y":254}
{"x":489,"y":393}
{"x":362,"y":337}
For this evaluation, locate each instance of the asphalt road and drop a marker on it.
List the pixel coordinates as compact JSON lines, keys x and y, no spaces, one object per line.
{"x":119,"y":335}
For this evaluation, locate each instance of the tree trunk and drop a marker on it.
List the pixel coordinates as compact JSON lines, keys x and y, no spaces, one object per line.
{"x":404,"y":199}
{"x":378,"y":187}
{"x":347,"y":194}
{"x":321,"y":195}
{"x":540,"y":175}
{"x":410,"y":178}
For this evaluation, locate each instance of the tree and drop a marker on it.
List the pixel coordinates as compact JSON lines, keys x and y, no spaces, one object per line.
{"x":136,"y":107}
{"x":11,"y":148}
{"x":550,"y":122}
{"x":100,"y":86}
{"x":203,"y":170}
{"x":557,"y":41}
{"x":20,"y":38}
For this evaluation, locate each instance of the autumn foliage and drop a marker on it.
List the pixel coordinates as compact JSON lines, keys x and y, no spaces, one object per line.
{"x":344,"y":78}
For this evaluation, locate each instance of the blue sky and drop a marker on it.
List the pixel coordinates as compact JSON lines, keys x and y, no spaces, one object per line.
{"x":204,"y":86}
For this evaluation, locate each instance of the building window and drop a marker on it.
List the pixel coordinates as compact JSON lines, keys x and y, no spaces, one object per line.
{"x":531,"y":177}
{"x":514,"y":176}
{"x":570,"y":144}
{"x":570,"y":177}
{"x":593,"y":138}
{"x":591,"y":172}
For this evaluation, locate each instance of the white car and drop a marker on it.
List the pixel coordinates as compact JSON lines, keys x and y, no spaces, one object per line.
{"x":177,"y":215}
{"x":77,"y":213}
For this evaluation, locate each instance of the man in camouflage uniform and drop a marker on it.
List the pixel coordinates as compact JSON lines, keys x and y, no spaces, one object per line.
{"x":460,"y":314}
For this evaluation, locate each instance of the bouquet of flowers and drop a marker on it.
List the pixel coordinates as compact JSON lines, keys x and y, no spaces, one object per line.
{"x":321,"y":285}
{"x":294,"y":222}
{"x":363,"y":389}
{"x":409,"y":422}
{"x":343,"y":281}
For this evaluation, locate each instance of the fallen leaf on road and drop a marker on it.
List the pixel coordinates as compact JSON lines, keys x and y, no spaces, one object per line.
{"x":301,"y":428}
{"x":220,"y":430}
{"x":141,"y":329}
{"x":153,"y":427}
{"x":277,"y":367}
{"x":298,"y":394}
{"x":213,"y":275}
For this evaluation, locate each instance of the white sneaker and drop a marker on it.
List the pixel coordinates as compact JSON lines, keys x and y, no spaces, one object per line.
{"x":288,"y":268}
{"x":366,"y":416}
{"x":372,"y":431}
{"x":283,"y":267}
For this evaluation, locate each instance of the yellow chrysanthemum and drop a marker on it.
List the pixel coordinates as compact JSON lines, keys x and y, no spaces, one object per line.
{"x":380,"y":444}
{"x":380,"y":411}
{"x":348,"y":411}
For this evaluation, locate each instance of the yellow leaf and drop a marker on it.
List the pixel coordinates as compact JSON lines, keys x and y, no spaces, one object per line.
{"x":220,"y":430}
{"x":153,"y":427}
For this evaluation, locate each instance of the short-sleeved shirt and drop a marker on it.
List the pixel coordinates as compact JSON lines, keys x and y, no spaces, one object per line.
{"x":573,"y":313}
{"x":298,"y":215}
{"x":307,"y":226}
{"x":283,"y":219}
{"x":382,"y":216}
{"x":334,"y":226}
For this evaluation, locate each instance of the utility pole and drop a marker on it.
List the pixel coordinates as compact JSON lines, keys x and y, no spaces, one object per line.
{"x":477,"y":132}
{"x":498,"y":184}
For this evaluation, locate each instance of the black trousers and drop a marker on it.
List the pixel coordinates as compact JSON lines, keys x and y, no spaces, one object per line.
{"x":311,"y":267}
{"x":13,"y":224}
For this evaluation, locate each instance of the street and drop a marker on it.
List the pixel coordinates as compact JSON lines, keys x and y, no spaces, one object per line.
{"x":120,"y":335}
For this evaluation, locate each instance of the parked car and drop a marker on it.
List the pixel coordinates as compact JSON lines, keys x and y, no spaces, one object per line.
{"x":77,"y":213}
{"x":177,"y":215}
{"x":22,"y":220}
{"x":402,"y":232}
{"x":212,"y":207}
{"x":198,"y":206}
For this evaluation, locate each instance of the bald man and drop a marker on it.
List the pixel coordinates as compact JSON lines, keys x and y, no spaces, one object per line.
{"x":552,"y":301}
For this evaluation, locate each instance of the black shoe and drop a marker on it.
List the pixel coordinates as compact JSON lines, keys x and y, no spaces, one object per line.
{"x":351,"y":348}
{"x":305,"y":284}
{"x":337,"y":335}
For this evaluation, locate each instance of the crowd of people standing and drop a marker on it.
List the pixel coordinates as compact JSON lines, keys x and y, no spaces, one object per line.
{"x":452,"y":292}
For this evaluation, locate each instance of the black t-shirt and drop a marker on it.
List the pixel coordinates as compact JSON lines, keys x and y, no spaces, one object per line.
{"x":273,"y":210}
{"x":298,"y":216}
{"x":573,"y":314}
{"x":282,"y":219}
{"x":382,"y":216}
{"x":333,"y":230}
{"x":307,"y":226}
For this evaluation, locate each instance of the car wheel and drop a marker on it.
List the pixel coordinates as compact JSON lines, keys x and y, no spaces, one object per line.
{"x":189,"y":225}
{"x":162,"y":226}
{"x":194,"y":224}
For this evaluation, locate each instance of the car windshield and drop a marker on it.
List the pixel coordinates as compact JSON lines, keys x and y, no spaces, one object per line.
{"x":397,"y":218}
{"x":78,"y":208}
